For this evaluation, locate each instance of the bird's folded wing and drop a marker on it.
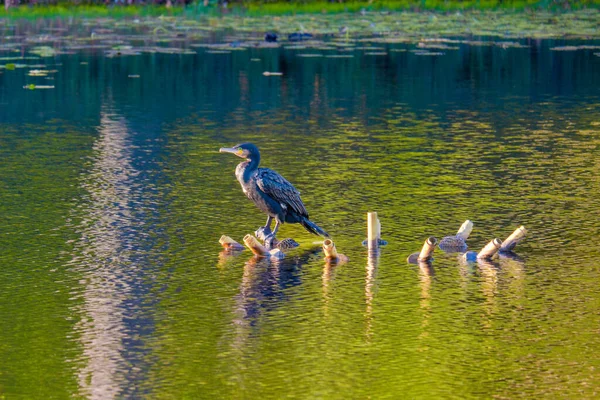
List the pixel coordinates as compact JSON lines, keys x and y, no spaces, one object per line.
{"x":276,"y":186}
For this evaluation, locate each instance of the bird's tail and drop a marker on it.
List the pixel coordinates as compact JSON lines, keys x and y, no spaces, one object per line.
{"x":313,"y":228}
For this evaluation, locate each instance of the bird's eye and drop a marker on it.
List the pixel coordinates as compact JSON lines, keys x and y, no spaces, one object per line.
{"x":240,"y":152}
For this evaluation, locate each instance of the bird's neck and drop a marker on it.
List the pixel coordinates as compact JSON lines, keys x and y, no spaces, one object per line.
{"x":246,"y":169}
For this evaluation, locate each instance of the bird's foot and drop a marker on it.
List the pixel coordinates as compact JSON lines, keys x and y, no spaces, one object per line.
{"x":269,"y":241}
{"x":262,"y":232}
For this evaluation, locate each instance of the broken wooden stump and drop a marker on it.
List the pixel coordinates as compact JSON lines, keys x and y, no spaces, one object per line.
{"x":331,"y":254}
{"x":230,"y":244}
{"x":487,"y":253}
{"x":426,"y":252}
{"x":258,"y":249}
{"x":511,"y":242}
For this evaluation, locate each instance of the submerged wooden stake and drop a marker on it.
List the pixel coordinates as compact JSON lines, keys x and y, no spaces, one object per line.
{"x":373,"y":231}
{"x":424,"y":256}
{"x":427,"y":249}
{"x":373,"y":227}
{"x":329,"y":249}
{"x":331,"y":254}
{"x":490,"y":249}
{"x":513,"y":239}
{"x":465,"y":230}
{"x":253,"y":244}
{"x":229,"y":243}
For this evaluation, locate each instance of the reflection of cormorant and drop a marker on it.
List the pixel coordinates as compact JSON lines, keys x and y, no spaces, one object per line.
{"x":265,"y":281}
{"x":271,"y":192}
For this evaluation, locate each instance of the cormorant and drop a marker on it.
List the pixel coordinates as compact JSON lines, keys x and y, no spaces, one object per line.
{"x":271,"y":192}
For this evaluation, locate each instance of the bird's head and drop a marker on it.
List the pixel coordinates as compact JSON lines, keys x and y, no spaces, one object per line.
{"x":244,"y":150}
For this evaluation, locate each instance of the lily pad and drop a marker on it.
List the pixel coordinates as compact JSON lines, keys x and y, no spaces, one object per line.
{"x":44,"y":51}
{"x":31,"y":86}
{"x":37,"y":72}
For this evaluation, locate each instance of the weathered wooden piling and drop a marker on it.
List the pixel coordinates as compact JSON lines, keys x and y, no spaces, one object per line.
{"x":465,"y":230}
{"x":373,"y":240}
{"x":373,"y":230}
{"x":329,"y":249}
{"x":230,"y":244}
{"x":490,"y":249}
{"x":258,"y":249}
{"x":511,"y":241}
{"x":427,"y":249}
{"x":253,"y":244}
{"x":425,"y":255}
{"x":331,"y":254}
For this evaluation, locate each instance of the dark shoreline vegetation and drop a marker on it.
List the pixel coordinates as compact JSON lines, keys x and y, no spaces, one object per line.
{"x":188,"y":8}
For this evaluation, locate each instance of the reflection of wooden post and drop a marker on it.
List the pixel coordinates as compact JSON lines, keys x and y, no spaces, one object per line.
{"x":513,"y":239}
{"x":372,"y":264}
{"x":465,"y":230}
{"x":427,"y":249}
{"x":490,"y":249}
{"x":373,"y":231}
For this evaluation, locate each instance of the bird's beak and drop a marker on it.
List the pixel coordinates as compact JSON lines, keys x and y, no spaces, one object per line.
{"x":231,"y":150}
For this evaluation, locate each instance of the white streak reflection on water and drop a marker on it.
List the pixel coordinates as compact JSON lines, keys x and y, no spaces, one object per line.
{"x":105,"y":257}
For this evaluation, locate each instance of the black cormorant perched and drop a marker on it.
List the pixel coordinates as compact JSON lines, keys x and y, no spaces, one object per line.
{"x":271,"y":192}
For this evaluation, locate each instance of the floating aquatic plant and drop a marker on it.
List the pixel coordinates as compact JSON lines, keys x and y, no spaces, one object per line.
{"x":34,"y":87}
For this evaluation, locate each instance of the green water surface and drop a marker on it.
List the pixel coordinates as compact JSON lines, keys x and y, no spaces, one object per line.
{"x":113,"y":197}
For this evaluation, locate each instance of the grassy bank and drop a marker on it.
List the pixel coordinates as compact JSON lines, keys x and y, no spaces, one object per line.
{"x":281,"y":8}
{"x":258,"y":8}
{"x":88,"y":11}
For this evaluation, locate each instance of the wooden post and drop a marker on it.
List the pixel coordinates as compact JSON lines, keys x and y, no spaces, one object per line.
{"x":513,"y":239}
{"x":252,"y":243}
{"x":258,"y":249}
{"x":329,"y":249}
{"x":490,"y":249}
{"x":427,"y":249}
{"x":465,"y":230}
{"x":373,"y":231}
{"x":230,"y":244}
{"x":331,"y":254}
